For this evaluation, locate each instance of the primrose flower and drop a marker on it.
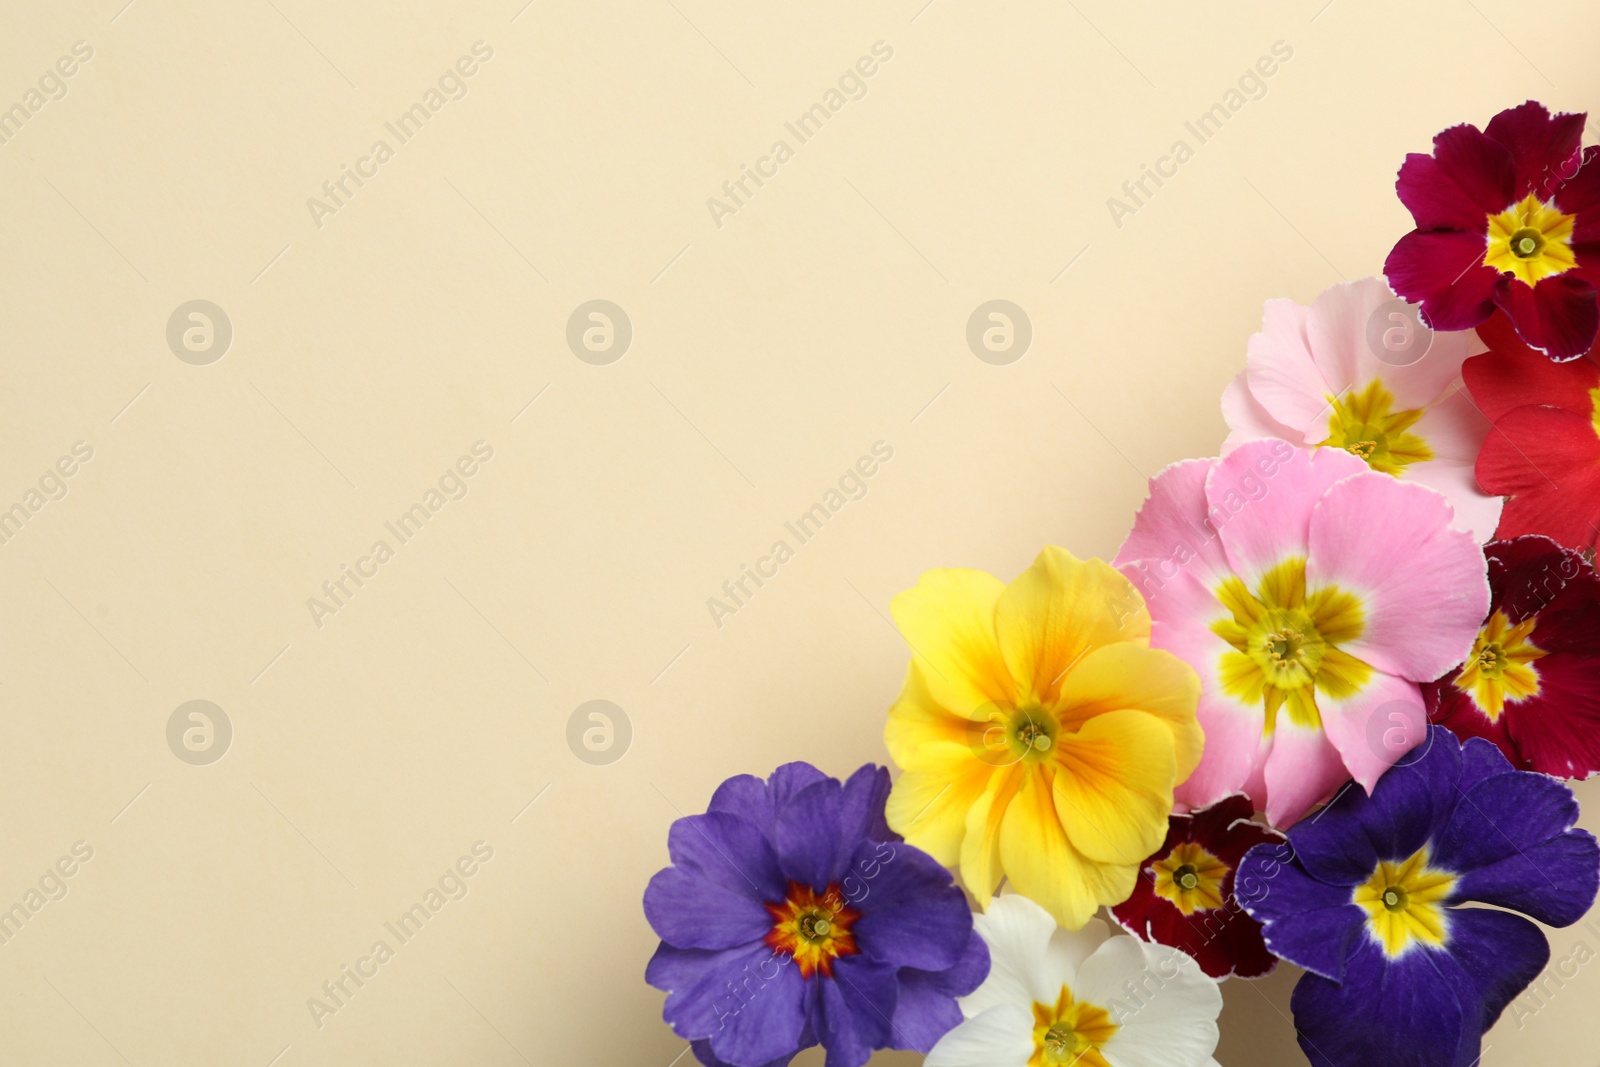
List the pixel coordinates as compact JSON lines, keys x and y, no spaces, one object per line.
{"x":1058,"y":998}
{"x":792,"y":916}
{"x":1544,"y":451}
{"x":1506,"y":217}
{"x":1312,"y":594}
{"x":1040,"y":735}
{"x":1185,"y":895}
{"x":1532,"y":682}
{"x":1366,"y":898}
{"x":1355,"y":371}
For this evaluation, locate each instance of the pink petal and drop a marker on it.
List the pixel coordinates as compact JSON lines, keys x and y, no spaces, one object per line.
{"x":1232,"y":728}
{"x":1247,"y":420}
{"x":1171,"y":532}
{"x":1376,"y":726}
{"x":1281,"y":374}
{"x":1425,"y":586}
{"x":1302,"y":768}
{"x":1346,"y":331}
{"x":1261,"y":497}
{"x":1455,"y":430}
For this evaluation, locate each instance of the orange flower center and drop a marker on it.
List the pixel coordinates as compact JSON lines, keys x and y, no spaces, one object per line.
{"x":814,"y":929}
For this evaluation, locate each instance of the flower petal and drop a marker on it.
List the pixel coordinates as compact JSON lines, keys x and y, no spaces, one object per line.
{"x":807,"y":834}
{"x":1001,"y":1037}
{"x":948,"y":620}
{"x":728,"y":851}
{"x":1018,"y":933}
{"x":1500,"y":953}
{"x":1113,"y":786}
{"x":1425,"y":586}
{"x":1171,"y":532}
{"x":763,"y":1025}
{"x":1444,"y":271}
{"x":1176,"y":1019}
{"x":912,"y":914}
{"x":1375,"y":726}
{"x":1124,"y":677}
{"x":1512,"y":375}
{"x":1262,"y":497}
{"x":1302,"y":767}
{"x":1455,"y":430}
{"x":1308,"y":922}
{"x":1283,"y":375}
{"x":1543,"y":148}
{"x":1057,"y":611}
{"x":857,"y":1004}
{"x":1559,"y":316}
{"x":688,"y":911}
{"x":1247,"y":420}
{"x":1042,"y":863}
{"x":1404,"y":1010}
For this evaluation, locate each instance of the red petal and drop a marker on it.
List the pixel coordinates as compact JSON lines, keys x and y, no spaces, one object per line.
{"x":1444,"y":272}
{"x":1559,"y":316}
{"x":1557,"y":730}
{"x":1581,"y":192}
{"x":1511,"y":375}
{"x":1436,"y":202}
{"x":1542,"y":148}
{"x":1479,"y":165}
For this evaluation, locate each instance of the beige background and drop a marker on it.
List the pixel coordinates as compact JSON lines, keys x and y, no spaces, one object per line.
{"x":768,"y":354}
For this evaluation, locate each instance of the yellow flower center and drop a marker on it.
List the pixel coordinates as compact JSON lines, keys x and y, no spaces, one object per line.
{"x":1190,"y":877}
{"x":814,"y":929}
{"x":1403,"y":903}
{"x":1530,"y":240}
{"x":1070,"y":1032}
{"x":1009,"y":735}
{"x":1500,"y":667}
{"x":1364,"y":425}
{"x":1286,"y":644}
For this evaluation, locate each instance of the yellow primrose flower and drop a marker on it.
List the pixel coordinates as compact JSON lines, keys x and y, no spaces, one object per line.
{"x":1039,"y":733}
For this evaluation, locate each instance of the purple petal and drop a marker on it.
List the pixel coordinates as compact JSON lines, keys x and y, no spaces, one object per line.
{"x":1501,"y":814}
{"x":807,"y":833}
{"x":857,"y":1006}
{"x":688,"y":911}
{"x":746,"y":796}
{"x":1309,"y":923}
{"x":1406,"y":1011}
{"x":1500,"y":953}
{"x":1559,"y":316}
{"x":1543,"y":148}
{"x":912,"y":914}
{"x":1481,"y":759}
{"x":1554,"y":881}
{"x":728,"y":851}
{"x":1443,"y":270}
{"x":862,"y":812}
{"x":746,"y":1000}
{"x":927,"y":1007}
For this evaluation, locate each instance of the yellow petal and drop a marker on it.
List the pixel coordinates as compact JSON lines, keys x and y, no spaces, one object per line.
{"x":917,"y":720}
{"x":981,"y":869}
{"x":1041,"y":863}
{"x":1128,"y":677}
{"x":1113,"y":785}
{"x":948,"y":620}
{"x":929,"y":807}
{"x":1060,"y":609}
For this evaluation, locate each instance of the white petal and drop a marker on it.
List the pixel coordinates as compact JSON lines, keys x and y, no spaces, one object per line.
{"x":1068,"y":949}
{"x":1030,"y":958}
{"x":1000,"y":1037}
{"x":1164,"y":1006}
